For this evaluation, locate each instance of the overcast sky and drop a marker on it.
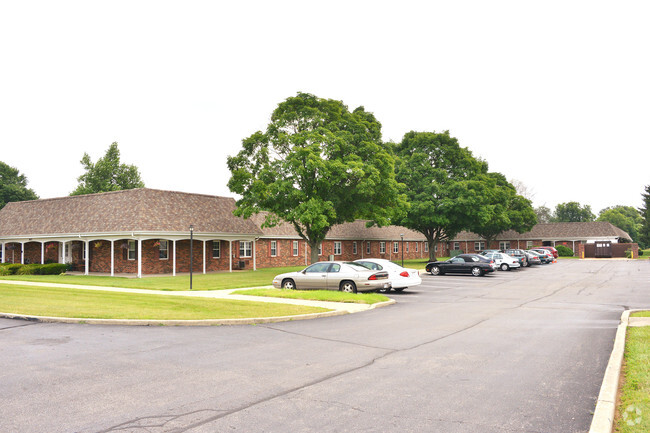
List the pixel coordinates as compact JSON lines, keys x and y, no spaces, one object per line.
{"x":555,"y":94}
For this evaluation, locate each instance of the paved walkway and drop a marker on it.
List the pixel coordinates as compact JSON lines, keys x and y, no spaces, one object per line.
{"x":217,"y":294}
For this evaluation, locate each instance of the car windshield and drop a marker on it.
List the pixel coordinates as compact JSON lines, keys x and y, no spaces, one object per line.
{"x":318,"y":267}
{"x":356,"y":266}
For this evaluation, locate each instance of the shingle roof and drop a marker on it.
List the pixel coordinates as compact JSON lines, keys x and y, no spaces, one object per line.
{"x":564,"y":231}
{"x":137,"y":210}
{"x":356,"y":230}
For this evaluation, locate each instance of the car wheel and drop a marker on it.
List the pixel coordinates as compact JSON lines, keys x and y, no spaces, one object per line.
{"x":505,"y":267}
{"x":435,"y":270}
{"x":399,"y":289}
{"x":348,"y":286}
{"x":288,"y":284}
{"x":476,"y":271}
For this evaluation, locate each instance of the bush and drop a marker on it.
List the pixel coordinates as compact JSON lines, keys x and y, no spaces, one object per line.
{"x":33,"y":269}
{"x":563,"y":251}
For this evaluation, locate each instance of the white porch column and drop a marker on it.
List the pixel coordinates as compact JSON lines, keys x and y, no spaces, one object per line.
{"x":3,"y":252}
{"x":87,"y":264}
{"x":174,"y":259}
{"x":230,"y":255}
{"x":255,"y":264}
{"x":204,"y":257}
{"x":139,"y":258}
{"x":42,"y":253}
{"x":22,"y":253}
{"x":62,"y":252}
{"x":112,"y":258}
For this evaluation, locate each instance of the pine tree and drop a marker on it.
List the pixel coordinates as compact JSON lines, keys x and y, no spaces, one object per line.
{"x":644,"y":233}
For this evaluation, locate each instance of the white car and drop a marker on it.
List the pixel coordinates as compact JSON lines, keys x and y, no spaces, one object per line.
{"x":400,"y":277}
{"x":502,"y":260}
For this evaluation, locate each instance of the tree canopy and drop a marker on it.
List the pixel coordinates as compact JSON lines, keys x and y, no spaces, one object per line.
{"x":316,"y":165}
{"x":624,"y":217}
{"x":107,"y":174}
{"x":13,"y":186}
{"x":544,"y":214}
{"x":450,"y":190}
{"x":573,"y":212}
{"x":644,"y":230}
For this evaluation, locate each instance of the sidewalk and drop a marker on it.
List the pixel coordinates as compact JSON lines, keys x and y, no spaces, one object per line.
{"x":336,"y":308}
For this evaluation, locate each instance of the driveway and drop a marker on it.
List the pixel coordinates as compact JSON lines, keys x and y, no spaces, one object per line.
{"x":520,"y":351}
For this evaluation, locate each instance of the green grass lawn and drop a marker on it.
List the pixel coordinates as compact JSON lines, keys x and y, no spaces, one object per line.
{"x":633,"y":414}
{"x":317,"y":295}
{"x":59,"y":302}
{"x":213,"y":281}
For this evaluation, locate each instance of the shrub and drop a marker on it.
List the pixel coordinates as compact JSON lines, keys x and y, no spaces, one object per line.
{"x":4,"y":271}
{"x":52,"y":269}
{"x":563,"y":251}
{"x":33,"y":269}
{"x":26,"y":270}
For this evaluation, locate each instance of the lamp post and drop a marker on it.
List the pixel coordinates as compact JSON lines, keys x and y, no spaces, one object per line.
{"x":191,"y":252}
{"x":402,"y":235}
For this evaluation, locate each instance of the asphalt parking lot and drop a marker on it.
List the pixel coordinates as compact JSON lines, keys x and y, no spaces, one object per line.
{"x":519,"y":351}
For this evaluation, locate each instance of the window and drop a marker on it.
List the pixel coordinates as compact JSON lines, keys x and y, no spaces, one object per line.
{"x":382,"y":247}
{"x":368,"y":247}
{"x":318,"y":268}
{"x":529,"y":244}
{"x":132,"y":250}
{"x":274,"y":248}
{"x":216,"y":249}
{"x":396,"y":247}
{"x":245,"y":249}
{"x":163,"y":250}
{"x":337,"y":248}
{"x":320,"y":249}
{"x":296,"y":250}
{"x":426,"y":247}
{"x":417,"y":246}
{"x":354,"y":248}
{"x":479,"y":246}
{"x":407,"y":247}
{"x":504,"y":245}
{"x":456,"y":245}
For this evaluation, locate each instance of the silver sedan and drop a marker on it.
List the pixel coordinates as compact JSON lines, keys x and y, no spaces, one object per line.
{"x":344,"y":276}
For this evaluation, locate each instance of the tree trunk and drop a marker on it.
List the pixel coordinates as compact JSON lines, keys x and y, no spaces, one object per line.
{"x":313,"y":246}
{"x":432,"y":249}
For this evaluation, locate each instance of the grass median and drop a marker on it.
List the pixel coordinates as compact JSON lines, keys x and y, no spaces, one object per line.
{"x":79,"y":303}
{"x":317,"y":295}
{"x":633,"y":413}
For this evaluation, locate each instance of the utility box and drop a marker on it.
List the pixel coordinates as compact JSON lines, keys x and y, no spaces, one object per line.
{"x":330,"y":257}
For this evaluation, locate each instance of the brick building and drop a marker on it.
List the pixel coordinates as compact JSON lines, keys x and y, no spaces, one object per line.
{"x":148,"y":231}
{"x":138,"y":231}
{"x":570,"y":235}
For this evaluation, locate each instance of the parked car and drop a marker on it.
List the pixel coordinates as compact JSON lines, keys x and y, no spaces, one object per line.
{"x":533,"y":258}
{"x":344,"y":276}
{"x":551,"y":249}
{"x":400,"y":278}
{"x":519,"y":254}
{"x":544,"y":255}
{"x":474,"y":264}
{"x":503,"y":261}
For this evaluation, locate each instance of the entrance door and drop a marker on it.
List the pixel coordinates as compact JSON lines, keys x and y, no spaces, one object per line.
{"x":68,"y":253}
{"x":603,"y":249}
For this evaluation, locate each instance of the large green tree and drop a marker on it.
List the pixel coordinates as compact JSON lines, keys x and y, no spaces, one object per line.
{"x":316,"y":165}
{"x":624,"y":217}
{"x":13,"y":186}
{"x":501,"y":209}
{"x":573,"y":212}
{"x":440,"y":178}
{"x":107,"y":174}
{"x":644,"y":231}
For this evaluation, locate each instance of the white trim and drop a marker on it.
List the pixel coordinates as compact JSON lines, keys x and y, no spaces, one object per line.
{"x":230,"y":254}
{"x":204,"y":257}
{"x":87,"y":259}
{"x":174,"y":259}
{"x":42,"y":253}
{"x":139,"y":258}
{"x":254,"y":256}
{"x":112,"y":258}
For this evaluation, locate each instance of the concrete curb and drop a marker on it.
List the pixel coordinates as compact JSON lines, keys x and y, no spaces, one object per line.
{"x":207,"y":322}
{"x":603,"y":420}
